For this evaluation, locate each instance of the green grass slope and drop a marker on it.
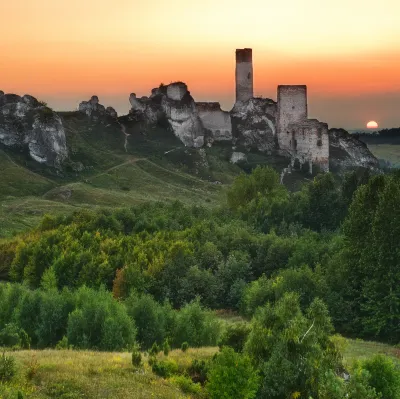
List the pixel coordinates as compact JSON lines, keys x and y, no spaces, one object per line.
{"x":111,"y":165}
{"x":69,"y":374}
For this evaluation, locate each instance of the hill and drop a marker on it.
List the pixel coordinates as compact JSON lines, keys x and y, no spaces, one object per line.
{"x":118,"y":163}
{"x":105,"y":170}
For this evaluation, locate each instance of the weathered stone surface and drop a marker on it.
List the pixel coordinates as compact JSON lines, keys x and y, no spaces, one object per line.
{"x":95,"y":110}
{"x":174,"y":104}
{"x":217,"y":122}
{"x":26,"y":124}
{"x":238,"y":157}
{"x":254,"y":124}
{"x":347,"y":152}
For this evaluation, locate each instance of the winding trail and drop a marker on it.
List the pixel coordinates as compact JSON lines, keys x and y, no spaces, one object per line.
{"x":123,"y":128}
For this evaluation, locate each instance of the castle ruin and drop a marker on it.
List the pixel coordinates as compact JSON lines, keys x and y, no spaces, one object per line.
{"x":274,"y":127}
{"x":306,"y":140}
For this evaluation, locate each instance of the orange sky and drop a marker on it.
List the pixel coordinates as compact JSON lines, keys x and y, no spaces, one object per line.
{"x":346,"y":51}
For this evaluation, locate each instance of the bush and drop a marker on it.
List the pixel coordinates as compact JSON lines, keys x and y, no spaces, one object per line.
{"x":198,"y":371}
{"x":155,"y":350}
{"x":231,"y":375}
{"x":165,"y":368}
{"x":186,"y":384}
{"x":62,"y":344}
{"x":166,"y":347}
{"x":384,"y":376}
{"x":184,"y":346}
{"x":136,"y":358}
{"x":235,"y":336}
{"x":7,"y":367}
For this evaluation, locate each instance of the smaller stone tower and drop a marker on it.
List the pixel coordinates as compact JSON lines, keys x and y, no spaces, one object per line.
{"x":244,"y":74}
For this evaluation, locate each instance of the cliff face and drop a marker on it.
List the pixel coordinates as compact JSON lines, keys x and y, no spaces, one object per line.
{"x":347,"y":152}
{"x":26,"y":124}
{"x":175,"y":104}
{"x":254,"y":124}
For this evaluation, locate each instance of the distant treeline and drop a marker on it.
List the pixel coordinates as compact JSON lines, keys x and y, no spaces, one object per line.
{"x":388,"y":136}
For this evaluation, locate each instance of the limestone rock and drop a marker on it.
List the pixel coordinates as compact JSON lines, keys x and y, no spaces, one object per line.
{"x":217,"y":122}
{"x":174,"y":104}
{"x":238,"y":157}
{"x":254,"y":124}
{"x":25,"y":124}
{"x":95,"y":110}
{"x":347,"y":152}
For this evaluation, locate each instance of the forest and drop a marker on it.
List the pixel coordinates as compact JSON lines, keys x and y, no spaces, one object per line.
{"x":301,"y":269}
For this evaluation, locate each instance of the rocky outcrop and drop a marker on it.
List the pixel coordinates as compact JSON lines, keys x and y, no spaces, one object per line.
{"x":95,"y":110}
{"x":217,"y":122}
{"x":254,"y":124}
{"x":347,"y":152}
{"x":175,"y":104}
{"x":27,"y":124}
{"x":238,"y":157}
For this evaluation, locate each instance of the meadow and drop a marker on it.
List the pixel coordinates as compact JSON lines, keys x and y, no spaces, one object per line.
{"x":69,"y":374}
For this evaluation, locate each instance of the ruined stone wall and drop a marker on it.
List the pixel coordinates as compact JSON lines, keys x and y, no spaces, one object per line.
{"x":310,"y":143}
{"x":244,"y":74}
{"x":292,"y":108}
{"x":215,"y":120}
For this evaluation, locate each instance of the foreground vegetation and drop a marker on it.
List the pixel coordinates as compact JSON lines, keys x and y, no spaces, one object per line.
{"x":297,"y":267}
{"x":83,"y":374}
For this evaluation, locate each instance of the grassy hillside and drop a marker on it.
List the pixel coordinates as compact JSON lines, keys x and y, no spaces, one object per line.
{"x":84,"y":374}
{"x":115,"y":170}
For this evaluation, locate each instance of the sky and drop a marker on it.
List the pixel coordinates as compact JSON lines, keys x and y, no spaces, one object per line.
{"x":346,"y":51}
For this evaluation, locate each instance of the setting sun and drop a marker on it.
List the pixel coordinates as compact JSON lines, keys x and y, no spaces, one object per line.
{"x":372,"y":125}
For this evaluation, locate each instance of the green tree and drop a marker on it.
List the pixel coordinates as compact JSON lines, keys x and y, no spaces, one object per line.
{"x":292,"y":349}
{"x":231,"y":375}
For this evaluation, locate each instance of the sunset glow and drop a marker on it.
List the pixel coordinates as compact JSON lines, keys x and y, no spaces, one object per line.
{"x":63,"y":52}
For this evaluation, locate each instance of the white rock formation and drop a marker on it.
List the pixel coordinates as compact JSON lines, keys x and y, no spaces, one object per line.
{"x":238,"y":157}
{"x":216,"y":121}
{"x":94,"y":109}
{"x":175,"y":104}
{"x":346,"y":151}
{"x":27,"y":124}
{"x":254,"y":125}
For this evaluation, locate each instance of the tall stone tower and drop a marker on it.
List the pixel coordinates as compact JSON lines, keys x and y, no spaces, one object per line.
{"x":244,"y":74}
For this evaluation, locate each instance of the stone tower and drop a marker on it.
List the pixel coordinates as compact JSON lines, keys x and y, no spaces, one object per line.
{"x":292,"y":108}
{"x":244,"y":74}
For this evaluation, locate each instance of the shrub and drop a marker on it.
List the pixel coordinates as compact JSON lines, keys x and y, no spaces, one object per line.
{"x":184,"y":346}
{"x":231,"y":375}
{"x":165,"y":368}
{"x":235,"y":336}
{"x":7,"y":367}
{"x":62,"y":344}
{"x":155,"y":350}
{"x":198,"y":371}
{"x":186,"y":384}
{"x":136,"y":358}
{"x":166,"y":347}
{"x":384,"y":376}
